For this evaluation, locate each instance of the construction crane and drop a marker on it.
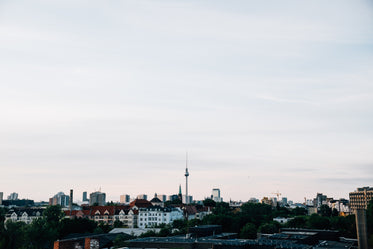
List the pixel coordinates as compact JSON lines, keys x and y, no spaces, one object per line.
{"x":277,"y":194}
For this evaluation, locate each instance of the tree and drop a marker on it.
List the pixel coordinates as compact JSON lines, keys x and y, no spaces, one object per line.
{"x":165,"y":231}
{"x":121,"y":240}
{"x":105,"y":228}
{"x":14,"y":235}
{"x":345,"y":225}
{"x":270,"y":227}
{"x":209,"y":203}
{"x":40,"y":234}
{"x":318,"y":222}
{"x":256,"y":213}
{"x":179,"y":224}
{"x":53,"y":215}
{"x":281,"y":212}
{"x":221,"y":208}
{"x":299,"y":211}
{"x":248,"y":231}
{"x":335,"y":212}
{"x":325,"y":211}
{"x":76,"y":225}
{"x":297,"y":222}
{"x":118,"y":223}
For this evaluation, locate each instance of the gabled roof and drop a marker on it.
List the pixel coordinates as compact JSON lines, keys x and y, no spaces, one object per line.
{"x":78,"y":213}
{"x":155,"y":200}
{"x":28,"y":211}
{"x":118,"y":209}
{"x":140,"y":203}
{"x":102,"y":210}
{"x":191,"y":210}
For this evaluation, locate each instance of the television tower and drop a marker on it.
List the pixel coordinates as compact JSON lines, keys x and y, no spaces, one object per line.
{"x":186,"y":180}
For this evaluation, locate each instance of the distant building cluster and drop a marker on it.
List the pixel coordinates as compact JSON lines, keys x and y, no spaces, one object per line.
{"x":143,"y":213}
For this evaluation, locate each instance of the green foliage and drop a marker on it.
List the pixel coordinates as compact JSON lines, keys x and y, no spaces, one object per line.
{"x":118,"y":223}
{"x":269,"y":228}
{"x":40,"y":234}
{"x":14,"y":236}
{"x":77,"y":225}
{"x":316,"y":221}
{"x":370,"y":240}
{"x":165,"y":231}
{"x":297,"y":222}
{"x":298,"y":211}
{"x":111,"y":204}
{"x":121,"y":241}
{"x":2,"y":215}
{"x":179,"y":224}
{"x":221,"y":208}
{"x":53,"y":214}
{"x":224,"y":220}
{"x":104,"y":228}
{"x":281,"y":212}
{"x":194,"y":222}
{"x":149,"y":233}
{"x":325,"y":211}
{"x":248,"y":231}
{"x":256,"y":213}
{"x":346,"y":225}
{"x":335,"y":212}
{"x":209,"y":203}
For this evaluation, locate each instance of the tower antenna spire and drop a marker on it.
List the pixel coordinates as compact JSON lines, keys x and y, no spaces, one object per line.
{"x":186,"y":179}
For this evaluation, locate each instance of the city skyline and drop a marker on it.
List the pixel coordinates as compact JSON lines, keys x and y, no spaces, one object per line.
{"x":265,"y":97}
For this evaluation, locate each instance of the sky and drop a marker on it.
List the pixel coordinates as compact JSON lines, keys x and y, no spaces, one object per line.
{"x":265,"y":96}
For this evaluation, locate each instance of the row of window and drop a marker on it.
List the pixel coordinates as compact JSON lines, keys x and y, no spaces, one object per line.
{"x":153,"y":219}
{"x":150,"y":214}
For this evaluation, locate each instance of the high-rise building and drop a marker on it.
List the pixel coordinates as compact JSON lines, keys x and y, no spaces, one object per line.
{"x":60,"y":199}
{"x":125,"y":199}
{"x":85,"y":196}
{"x":187,"y":199}
{"x":142,"y":196}
{"x":173,"y":197}
{"x":216,"y":195}
{"x":319,"y":200}
{"x":13,"y":196}
{"x":360,"y":198}
{"x":97,"y":199}
{"x":163,"y":198}
{"x":274,"y":201}
{"x":284,"y":201}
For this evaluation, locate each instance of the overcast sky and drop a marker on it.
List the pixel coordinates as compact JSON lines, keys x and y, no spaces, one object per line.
{"x":265,"y":96}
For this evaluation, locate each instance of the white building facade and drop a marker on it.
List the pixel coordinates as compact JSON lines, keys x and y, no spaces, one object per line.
{"x":155,"y":216}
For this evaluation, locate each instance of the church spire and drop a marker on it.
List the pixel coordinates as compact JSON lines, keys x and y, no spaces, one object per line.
{"x":180,"y":195}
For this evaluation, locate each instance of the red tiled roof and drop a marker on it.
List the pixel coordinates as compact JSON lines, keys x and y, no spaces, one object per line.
{"x":191,"y":209}
{"x":102,"y":210}
{"x":140,"y":203}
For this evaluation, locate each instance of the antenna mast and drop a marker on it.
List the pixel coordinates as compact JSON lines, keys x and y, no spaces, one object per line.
{"x":186,"y":179}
